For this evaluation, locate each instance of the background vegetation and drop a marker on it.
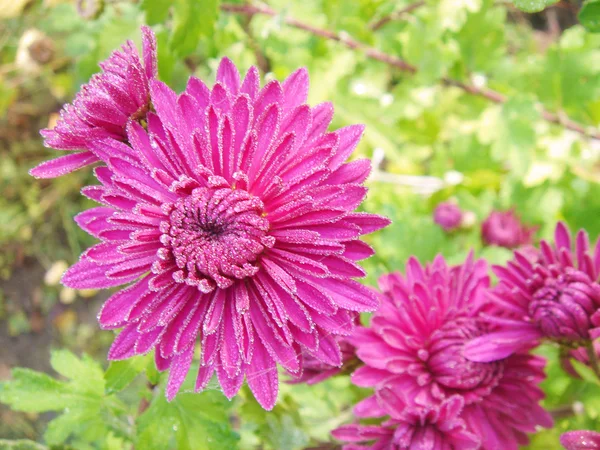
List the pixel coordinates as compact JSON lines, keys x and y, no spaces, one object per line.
{"x":492,"y":104}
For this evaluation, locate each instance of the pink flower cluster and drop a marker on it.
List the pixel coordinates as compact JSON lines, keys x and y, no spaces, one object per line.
{"x":500,"y":228}
{"x":442,"y":336}
{"x":432,"y":395}
{"x":229,"y":215}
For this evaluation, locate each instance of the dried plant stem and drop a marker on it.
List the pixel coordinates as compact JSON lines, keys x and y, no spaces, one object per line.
{"x":400,"y":64}
{"x":396,"y":15}
{"x":144,"y":402}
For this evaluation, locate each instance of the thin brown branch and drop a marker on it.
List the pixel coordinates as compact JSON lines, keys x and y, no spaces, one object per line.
{"x":396,"y":15}
{"x":562,"y":412}
{"x":263,"y":63}
{"x":404,"y":66}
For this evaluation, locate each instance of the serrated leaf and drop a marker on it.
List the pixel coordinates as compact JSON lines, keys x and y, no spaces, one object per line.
{"x":85,"y":373}
{"x":87,"y":414}
{"x":120,"y":373}
{"x":532,"y":6}
{"x":191,"y":20}
{"x":589,"y":15}
{"x":32,"y":391}
{"x":70,"y":366}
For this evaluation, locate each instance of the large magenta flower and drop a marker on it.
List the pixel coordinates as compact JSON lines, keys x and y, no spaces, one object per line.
{"x":504,"y":229}
{"x":232,"y":213}
{"x":415,"y":344}
{"x":103,"y":107}
{"x":556,"y":297}
{"x":433,"y":428}
{"x":580,"y":440}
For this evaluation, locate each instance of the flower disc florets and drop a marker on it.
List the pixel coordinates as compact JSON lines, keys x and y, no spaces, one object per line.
{"x":215,"y":236}
{"x":445,"y":364}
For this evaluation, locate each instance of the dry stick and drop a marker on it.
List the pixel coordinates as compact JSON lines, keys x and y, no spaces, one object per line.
{"x":262,"y":61}
{"x":144,"y":402}
{"x":396,"y":15}
{"x":398,"y":63}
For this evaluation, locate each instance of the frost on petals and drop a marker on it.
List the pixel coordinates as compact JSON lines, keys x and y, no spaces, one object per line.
{"x":103,"y":107}
{"x":580,"y":440}
{"x":230,"y":216}
{"x":413,"y":355}
{"x":553,"y":294}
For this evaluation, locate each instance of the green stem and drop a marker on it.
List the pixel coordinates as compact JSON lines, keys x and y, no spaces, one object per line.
{"x":593,"y":358}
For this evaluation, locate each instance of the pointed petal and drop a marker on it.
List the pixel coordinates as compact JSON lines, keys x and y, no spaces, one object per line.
{"x":261,"y":375}
{"x":63,"y":165}
{"x":228,"y":75}
{"x":501,"y":344}
{"x":295,"y":88}
{"x":179,"y":369}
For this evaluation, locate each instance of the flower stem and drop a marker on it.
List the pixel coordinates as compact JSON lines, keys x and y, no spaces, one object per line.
{"x":593,"y":358}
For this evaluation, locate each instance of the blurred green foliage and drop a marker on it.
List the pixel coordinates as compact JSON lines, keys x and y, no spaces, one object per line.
{"x":432,"y":141}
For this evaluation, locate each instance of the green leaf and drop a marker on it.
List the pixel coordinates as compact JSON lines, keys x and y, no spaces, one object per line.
{"x":453,"y":13}
{"x":120,"y":373}
{"x":32,"y":391}
{"x":585,"y":372}
{"x":88,"y":414}
{"x":191,"y":20}
{"x":510,"y":129}
{"x":157,"y":11}
{"x":21,"y":444}
{"x":589,"y":15}
{"x":84,"y":422}
{"x":199,"y":421}
{"x":532,"y":6}
{"x":70,"y":366}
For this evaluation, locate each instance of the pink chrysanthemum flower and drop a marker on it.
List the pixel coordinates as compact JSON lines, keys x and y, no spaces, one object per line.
{"x":415,"y":344}
{"x":233,"y":216}
{"x":103,"y":107}
{"x":448,"y":216}
{"x":433,"y":428}
{"x":504,"y":229}
{"x":555,"y":297}
{"x":580,"y":440}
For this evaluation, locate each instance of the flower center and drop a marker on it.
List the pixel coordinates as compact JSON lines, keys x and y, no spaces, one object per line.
{"x":215,"y":236}
{"x":562,"y":307}
{"x":451,"y":370}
